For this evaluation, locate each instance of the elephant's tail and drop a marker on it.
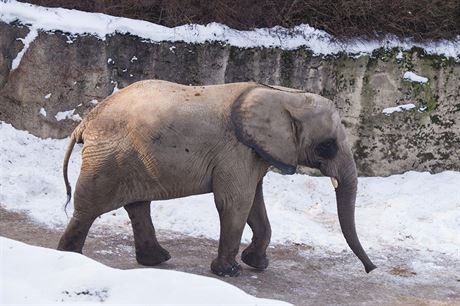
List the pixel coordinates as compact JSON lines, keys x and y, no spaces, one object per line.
{"x":76,"y":137}
{"x":70,"y":146}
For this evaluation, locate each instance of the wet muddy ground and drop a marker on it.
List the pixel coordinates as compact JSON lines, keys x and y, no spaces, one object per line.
{"x":297,"y":273}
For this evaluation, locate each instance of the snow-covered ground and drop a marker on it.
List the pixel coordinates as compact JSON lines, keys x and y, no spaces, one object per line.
{"x":414,"y":210}
{"x":78,"y":23}
{"x":40,"y":276}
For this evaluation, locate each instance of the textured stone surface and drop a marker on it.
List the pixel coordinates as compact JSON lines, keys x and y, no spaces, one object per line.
{"x":77,"y":70}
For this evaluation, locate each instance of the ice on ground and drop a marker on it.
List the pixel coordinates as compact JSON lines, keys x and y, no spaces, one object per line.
{"x":35,"y":275}
{"x":67,"y":115}
{"x":413,"y":210}
{"x":413,"y":77}
{"x":389,"y":110}
{"x":48,"y":96}
{"x":302,"y":36}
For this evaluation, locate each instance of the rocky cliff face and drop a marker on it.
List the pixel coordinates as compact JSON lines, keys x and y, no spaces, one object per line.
{"x":60,"y":78}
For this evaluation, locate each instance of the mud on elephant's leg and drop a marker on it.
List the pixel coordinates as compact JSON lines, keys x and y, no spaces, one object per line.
{"x":75,"y":234}
{"x":233,"y":208}
{"x":148,"y":249}
{"x":255,"y":254}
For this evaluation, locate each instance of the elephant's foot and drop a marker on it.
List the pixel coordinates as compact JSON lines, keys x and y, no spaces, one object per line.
{"x":251,"y":258}
{"x":69,"y":246}
{"x":222,"y":267}
{"x":152,"y":257}
{"x":75,"y":234}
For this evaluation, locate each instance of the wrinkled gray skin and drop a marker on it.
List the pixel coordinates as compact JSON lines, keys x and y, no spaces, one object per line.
{"x":157,"y":140}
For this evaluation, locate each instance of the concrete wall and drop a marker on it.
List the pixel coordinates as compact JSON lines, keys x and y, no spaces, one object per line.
{"x":77,"y":70}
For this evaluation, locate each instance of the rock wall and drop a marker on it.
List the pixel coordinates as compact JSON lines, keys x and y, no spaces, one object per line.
{"x":60,"y":73}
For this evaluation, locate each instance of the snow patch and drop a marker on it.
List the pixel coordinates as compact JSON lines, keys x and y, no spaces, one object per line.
{"x":94,"y":101}
{"x":70,"y":39}
{"x":115,"y":86}
{"x":134,"y":58}
{"x":68,"y":115}
{"x":421,"y":109}
{"x":389,"y":110}
{"x":42,"y":112}
{"x":48,"y":96}
{"x":40,"y":276}
{"x":110,"y":61}
{"x":30,"y":37}
{"x":413,"y":77}
{"x":302,"y":36}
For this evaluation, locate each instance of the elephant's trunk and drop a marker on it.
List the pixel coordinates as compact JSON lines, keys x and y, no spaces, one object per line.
{"x":346,"y":197}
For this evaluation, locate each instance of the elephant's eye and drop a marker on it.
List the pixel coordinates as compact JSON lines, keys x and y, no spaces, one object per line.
{"x":327,"y":149}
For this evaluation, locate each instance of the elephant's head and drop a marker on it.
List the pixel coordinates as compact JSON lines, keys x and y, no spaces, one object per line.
{"x":289,"y":128}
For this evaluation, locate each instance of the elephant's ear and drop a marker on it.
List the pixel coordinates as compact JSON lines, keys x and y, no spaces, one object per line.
{"x":262,"y":122}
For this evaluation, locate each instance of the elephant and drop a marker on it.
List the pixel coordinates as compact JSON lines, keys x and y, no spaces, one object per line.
{"x":158,"y":140}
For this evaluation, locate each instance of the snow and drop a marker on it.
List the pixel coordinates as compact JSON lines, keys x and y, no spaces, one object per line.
{"x":303,"y":36}
{"x":397,"y":211}
{"x":67,"y":115}
{"x":134,"y":58}
{"x":40,"y":276}
{"x":42,"y":112}
{"x":115,"y":86}
{"x":417,"y":211}
{"x":30,"y":37}
{"x":94,"y":101}
{"x":389,"y":110}
{"x":413,"y":77}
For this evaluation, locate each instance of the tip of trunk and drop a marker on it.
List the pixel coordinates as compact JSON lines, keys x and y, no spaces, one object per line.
{"x":370,"y":267}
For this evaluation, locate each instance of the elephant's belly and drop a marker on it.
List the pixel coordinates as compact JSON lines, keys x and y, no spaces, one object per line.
{"x":181,"y":169}
{"x":168,"y":179}
{"x":176,"y":187}
{"x":155,"y":188}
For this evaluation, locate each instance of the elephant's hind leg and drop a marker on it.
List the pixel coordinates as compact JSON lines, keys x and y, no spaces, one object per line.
{"x":148,"y":250}
{"x":75,"y":234}
{"x":255,"y":254}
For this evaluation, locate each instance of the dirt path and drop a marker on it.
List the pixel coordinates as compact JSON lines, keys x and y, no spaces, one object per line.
{"x":297,"y":273}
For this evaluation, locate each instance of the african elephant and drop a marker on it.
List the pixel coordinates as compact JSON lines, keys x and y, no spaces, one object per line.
{"x":156,"y":140}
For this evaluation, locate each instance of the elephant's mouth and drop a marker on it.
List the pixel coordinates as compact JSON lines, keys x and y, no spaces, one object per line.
{"x":334,"y":182}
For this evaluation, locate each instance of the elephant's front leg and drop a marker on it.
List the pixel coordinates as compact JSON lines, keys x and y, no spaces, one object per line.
{"x":233,"y":202}
{"x":255,"y":254}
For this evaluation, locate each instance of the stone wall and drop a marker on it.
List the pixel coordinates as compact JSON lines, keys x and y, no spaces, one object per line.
{"x":60,"y":73}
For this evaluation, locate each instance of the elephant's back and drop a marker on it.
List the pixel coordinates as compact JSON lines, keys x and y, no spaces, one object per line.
{"x":154,"y":101}
{"x":155,"y":107}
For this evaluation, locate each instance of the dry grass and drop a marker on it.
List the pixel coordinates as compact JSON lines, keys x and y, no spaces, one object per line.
{"x":420,"y":19}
